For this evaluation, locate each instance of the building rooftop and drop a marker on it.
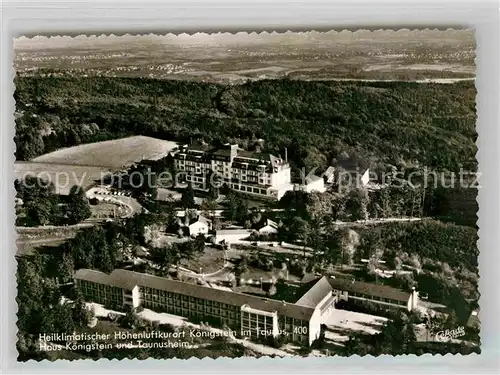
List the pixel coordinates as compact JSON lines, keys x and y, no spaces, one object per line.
{"x":203,"y":219}
{"x":270,"y":222}
{"x":312,"y":178}
{"x":320,"y":286}
{"x":374,"y":290}
{"x":329,"y":172}
{"x":241,"y":156}
{"x":129,"y":279}
{"x":314,"y":295}
{"x":473,"y":320}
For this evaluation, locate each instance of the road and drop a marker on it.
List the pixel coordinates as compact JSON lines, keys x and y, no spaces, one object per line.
{"x":378,"y":221}
{"x":133,"y":206}
{"x":53,"y":227}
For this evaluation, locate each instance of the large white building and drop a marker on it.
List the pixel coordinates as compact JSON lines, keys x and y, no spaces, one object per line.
{"x":253,"y":173}
{"x":253,"y":316}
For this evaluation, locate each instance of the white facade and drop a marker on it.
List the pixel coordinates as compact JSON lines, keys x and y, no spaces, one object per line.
{"x":315,"y":184}
{"x":136,"y":300}
{"x":262,"y":175}
{"x":198,"y":227}
{"x":365,"y":178}
{"x":279,"y":177}
{"x":263,"y":323}
{"x":270,"y":228}
{"x":413,"y":300}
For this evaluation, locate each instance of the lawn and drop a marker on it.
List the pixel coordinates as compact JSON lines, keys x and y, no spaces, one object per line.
{"x":212,"y":260}
{"x":113,"y":154}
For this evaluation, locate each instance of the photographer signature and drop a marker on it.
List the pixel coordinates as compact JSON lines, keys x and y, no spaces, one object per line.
{"x":449,"y":334}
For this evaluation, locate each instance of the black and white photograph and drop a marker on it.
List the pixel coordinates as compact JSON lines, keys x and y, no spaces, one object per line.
{"x":248,"y":194}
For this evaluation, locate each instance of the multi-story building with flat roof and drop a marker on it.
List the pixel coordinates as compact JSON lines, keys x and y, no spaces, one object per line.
{"x":254,"y":173}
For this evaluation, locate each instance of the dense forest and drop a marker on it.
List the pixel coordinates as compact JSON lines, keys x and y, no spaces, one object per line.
{"x":382,"y":123}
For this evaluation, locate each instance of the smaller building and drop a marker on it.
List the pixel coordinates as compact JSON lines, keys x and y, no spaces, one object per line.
{"x":473,"y":321}
{"x":311,"y":184}
{"x":321,"y":296}
{"x":329,"y":175}
{"x":365,"y":178}
{"x":202,"y":225}
{"x":268,"y":227}
{"x":381,"y":294}
{"x":349,"y":172}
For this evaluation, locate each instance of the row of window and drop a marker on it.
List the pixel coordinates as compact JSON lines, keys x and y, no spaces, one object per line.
{"x":150,"y":294}
{"x":102,"y":294}
{"x":103,"y":299}
{"x":195,"y":179}
{"x":219,"y":311}
{"x":117,"y":293}
{"x":249,"y":189}
{"x":187,"y":306}
{"x":263,"y":330}
{"x":255,"y":317}
{"x":92,"y":285}
{"x":381,"y":299}
{"x":192,"y":165}
{"x":285,"y":320}
{"x":187,"y":312}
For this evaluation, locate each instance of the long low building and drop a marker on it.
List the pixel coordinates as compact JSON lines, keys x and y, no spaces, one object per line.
{"x":380,"y":294}
{"x":253,"y":316}
{"x":345,"y":289}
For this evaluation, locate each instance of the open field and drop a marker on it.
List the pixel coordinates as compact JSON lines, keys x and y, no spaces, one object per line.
{"x":31,"y":238}
{"x":24,"y":248}
{"x":113,"y":154}
{"x":63,"y":176}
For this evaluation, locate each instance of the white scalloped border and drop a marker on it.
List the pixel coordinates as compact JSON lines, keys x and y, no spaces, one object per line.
{"x":187,"y":37}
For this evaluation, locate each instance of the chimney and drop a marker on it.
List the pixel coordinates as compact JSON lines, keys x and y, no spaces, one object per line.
{"x":413,"y":299}
{"x":233,"y":152}
{"x":286,"y":154}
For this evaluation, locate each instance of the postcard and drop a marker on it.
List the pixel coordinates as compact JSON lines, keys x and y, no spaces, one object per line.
{"x":246,"y":194}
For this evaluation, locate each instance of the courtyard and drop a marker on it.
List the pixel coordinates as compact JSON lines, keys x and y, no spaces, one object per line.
{"x":343,"y":323}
